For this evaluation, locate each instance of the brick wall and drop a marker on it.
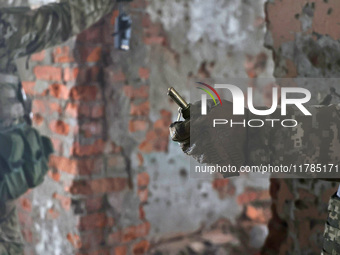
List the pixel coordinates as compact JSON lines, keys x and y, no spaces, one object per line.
{"x":302,"y":37}
{"x":116,"y":183}
{"x":67,"y":87}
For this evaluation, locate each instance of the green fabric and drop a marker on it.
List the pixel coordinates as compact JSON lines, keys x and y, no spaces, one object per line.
{"x":12,"y":179}
{"x":24,"y":32}
{"x":35,"y":163}
{"x":27,"y":31}
{"x":11,"y":241}
{"x":331,"y":242}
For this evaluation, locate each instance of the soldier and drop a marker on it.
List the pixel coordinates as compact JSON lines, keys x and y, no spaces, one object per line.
{"x":314,"y":140}
{"x":23,"y":152}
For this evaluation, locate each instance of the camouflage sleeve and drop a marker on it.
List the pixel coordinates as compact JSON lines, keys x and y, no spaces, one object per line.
{"x":315,"y":139}
{"x":26,"y":31}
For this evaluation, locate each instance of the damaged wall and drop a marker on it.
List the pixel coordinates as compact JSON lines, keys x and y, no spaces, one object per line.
{"x":304,"y":37}
{"x":117,"y":184}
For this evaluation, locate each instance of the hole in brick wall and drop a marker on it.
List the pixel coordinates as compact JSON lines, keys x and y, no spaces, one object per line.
{"x":204,"y":195}
{"x":183,"y":173}
{"x":78,"y":205}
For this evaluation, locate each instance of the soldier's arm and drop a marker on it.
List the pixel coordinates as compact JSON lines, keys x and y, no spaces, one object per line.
{"x":24,"y":31}
{"x":315,"y":139}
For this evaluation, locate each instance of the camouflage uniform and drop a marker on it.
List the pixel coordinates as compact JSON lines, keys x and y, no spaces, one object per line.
{"x":23,"y":32}
{"x":316,"y":139}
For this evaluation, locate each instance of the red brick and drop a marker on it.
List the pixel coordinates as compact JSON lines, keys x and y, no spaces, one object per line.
{"x":98,"y":186}
{"x":121,"y":250}
{"x":28,"y":86}
{"x":154,"y":141}
{"x":114,"y":15}
{"x":144,"y":73}
{"x":141,"y":4}
{"x":74,"y":239}
{"x":90,"y":54}
{"x":157,"y":139}
{"x":129,"y":234}
{"x":91,"y":128}
{"x":141,"y":212}
{"x":132,"y":92}
{"x":93,"y":221}
{"x":115,"y":161}
{"x":71,"y":74}
{"x":40,"y":56}
{"x":54,"y":107}
{"x":134,"y":232}
{"x":25,"y":219}
{"x":143,"y":179}
{"x":258,"y":214}
{"x":88,"y":74}
{"x":141,"y":248}
{"x":92,"y":239}
{"x":38,"y":119}
{"x":28,"y":235}
{"x":59,"y":127}
{"x":44,"y":107}
{"x":64,"y":201}
{"x":94,"y":204}
{"x":59,"y":91}
{"x":76,"y":166}
{"x":86,"y":93}
{"x":118,"y":76}
{"x":97,"y":111}
{"x":140,"y":159}
{"x":90,"y":166}
{"x":115,"y":148}
{"x":251,"y":195}
{"x":91,"y":35}
{"x":142,"y":109}
{"x":137,"y":125}
{"x":26,"y":204}
{"x":149,"y":40}
{"x":57,"y":145}
{"x":55,"y":175}
{"x":143,"y":195}
{"x":224,"y":187}
{"x":114,"y":238}
{"x":72,"y":109}
{"x":87,"y":150}
{"x":84,"y":110}
{"x":49,"y":73}
{"x":63,"y":55}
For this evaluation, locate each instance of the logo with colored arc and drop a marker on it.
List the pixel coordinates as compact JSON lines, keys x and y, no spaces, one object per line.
{"x":209,"y":93}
